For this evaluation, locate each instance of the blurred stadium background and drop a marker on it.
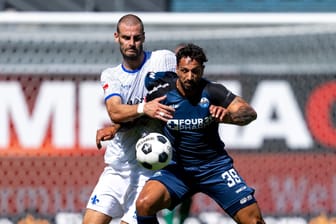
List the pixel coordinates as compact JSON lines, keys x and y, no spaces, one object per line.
{"x":279,"y":55}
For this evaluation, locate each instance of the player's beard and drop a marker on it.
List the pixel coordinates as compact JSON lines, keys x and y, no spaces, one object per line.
{"x":132,"y":57}
{"x":187,"y":87}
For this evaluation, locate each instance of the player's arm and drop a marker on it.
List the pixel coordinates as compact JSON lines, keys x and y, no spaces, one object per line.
{"x":106,"y":133}
{"x":120,"y":112}
{"x":152,"y":109}
{"x":218,"y":112}
{"x":238,"y":112}
{"x":231,"y":109}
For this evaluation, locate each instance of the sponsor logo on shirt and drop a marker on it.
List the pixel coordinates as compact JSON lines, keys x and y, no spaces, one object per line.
{"x":189,"y":124}
{"x":126,"y":87}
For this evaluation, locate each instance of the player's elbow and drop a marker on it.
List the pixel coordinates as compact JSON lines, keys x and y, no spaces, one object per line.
{"x":120,"y":119}
{"x":116,"y":118}
{"x":244,"y":117}
{"x":252,"y":116}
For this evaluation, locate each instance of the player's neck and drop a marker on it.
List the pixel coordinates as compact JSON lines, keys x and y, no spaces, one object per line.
{"x":180,"y":88}
{"x":190,"y":93}
{"x":134,"y":63}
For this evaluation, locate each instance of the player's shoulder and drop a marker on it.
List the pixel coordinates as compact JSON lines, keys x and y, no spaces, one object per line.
{"x":219,"y":92}
{"x":213,"y":87}
{"x":163,"y":53}
{"x":110,"y":71}
{"x":154,"y":78}
{"x":167,"y":75}
{"x":162,"y":60}
{"x":212,"y":84}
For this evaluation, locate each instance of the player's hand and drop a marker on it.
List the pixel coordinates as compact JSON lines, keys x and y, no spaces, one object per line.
{"x":155,"y":109}
{"x":105,"y":134}
{"x":218,"y":113}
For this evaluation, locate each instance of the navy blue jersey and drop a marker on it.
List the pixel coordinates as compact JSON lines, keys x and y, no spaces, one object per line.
{"x":192,"y":130}
{"x":201,"y":163}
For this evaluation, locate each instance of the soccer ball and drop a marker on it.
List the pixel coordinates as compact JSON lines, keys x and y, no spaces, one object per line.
{"x":153,"y":151}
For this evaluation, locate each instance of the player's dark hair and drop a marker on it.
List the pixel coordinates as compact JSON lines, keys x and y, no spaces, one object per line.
{"x":192,"y":51}
{"x":130,"y":19}
{"x":179,"y":46}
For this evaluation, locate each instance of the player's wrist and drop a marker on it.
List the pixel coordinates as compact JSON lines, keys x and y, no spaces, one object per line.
{"x":140,"y":108}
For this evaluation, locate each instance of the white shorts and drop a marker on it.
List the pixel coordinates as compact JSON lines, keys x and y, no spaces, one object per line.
{"x":116,"y":192}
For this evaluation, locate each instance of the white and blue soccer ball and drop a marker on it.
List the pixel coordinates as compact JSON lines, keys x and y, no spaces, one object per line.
{"x":153,"y":151}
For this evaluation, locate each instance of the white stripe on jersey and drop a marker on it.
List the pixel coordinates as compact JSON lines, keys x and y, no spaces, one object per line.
{"x":130,"y":86}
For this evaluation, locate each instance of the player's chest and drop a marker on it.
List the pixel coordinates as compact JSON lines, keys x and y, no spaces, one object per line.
{"x":189,"y":115}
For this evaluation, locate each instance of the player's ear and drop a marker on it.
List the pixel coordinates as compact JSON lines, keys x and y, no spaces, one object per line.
{"x":144,"y":36}
{"x":116,"y":37}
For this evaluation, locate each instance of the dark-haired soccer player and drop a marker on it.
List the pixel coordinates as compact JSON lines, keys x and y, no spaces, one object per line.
{"x":200,"y":162}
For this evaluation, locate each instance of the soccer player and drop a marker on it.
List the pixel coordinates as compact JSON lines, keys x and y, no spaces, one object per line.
{"x":124,"y":91}
{"x":200,"y":162}
{"x":182,"y":211}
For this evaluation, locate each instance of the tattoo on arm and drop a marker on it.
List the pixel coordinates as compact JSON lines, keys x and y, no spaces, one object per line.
{"x":241,"y":113}
{"x":243,"y":116}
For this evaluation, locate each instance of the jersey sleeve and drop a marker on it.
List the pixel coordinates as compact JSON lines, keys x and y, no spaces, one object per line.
{"x":110,"y":83}
{"x":220,"y":95}
{"x":155,"y":78}
{"x":158,"y":83}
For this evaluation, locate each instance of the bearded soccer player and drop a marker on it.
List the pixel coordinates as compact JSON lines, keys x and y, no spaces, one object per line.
{"x":124,"y":91}
{"x":200,"y":162}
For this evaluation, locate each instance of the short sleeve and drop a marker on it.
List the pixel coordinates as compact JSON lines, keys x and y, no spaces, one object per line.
{"x":220,"y":95}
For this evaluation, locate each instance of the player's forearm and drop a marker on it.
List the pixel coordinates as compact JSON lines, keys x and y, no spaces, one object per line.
{"x":243,"y":116}
{"x":124,"y":112}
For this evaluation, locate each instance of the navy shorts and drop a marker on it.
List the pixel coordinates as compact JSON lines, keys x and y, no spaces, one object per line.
{"x":217,"y":179}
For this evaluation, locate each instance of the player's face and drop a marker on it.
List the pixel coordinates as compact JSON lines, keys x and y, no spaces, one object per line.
{"x":130,"y":39}
{"x":189,"y":72}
